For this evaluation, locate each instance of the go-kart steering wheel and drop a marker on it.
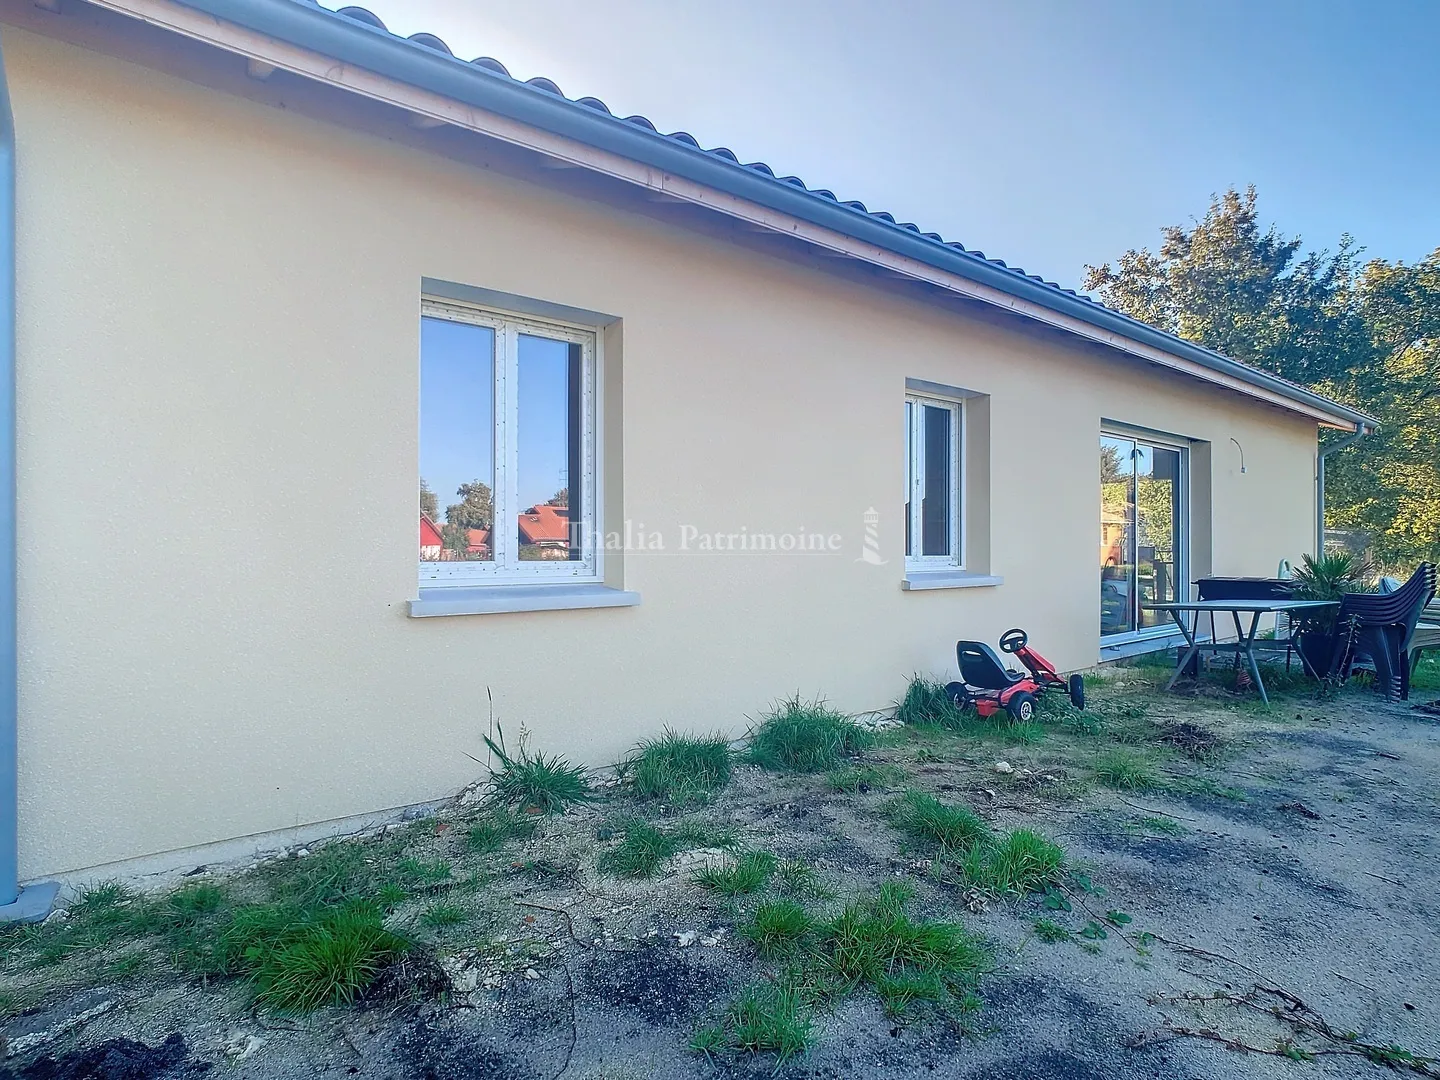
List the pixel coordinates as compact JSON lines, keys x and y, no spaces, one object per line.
{"x":1012,"y":641}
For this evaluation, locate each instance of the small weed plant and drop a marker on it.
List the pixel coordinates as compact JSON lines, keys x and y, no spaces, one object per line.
{"x":1126,"y":770}
{"x":496,"y":826}
{"x":548,"y":784}
{"x":927,"y":705}
{"x":1012,"y":864}
{"x":748,"y":873}
{"x":860,"y":779}
{"x":807,"y":736}
{"x":679,"y":769}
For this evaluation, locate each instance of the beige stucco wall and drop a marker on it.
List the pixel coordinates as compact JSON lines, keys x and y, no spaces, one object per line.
{"x":217,"y":454}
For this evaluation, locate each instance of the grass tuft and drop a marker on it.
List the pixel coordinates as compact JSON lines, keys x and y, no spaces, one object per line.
{"x":1050,"y":932}
{"x":680,"y":769}
{"x":1021,"y":862}
{"x":926,"y":704}
{"x":640,"y":852}
{"x":778,"y":927}
{"x":747,"y":874}
{"x":1126,"y":770}
{"x":496,"y":827}
{"x":806,"y":736}
{"x":768,"y":1017}
{"x":952,"y":826}
{"x":324,"y":962}
{"x":546,"y":783}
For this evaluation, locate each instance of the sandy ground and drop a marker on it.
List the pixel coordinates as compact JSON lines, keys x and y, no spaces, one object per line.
{"x":1320,"y":880}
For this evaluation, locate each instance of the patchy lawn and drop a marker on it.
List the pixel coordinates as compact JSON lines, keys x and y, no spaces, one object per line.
{"x":1162,"y":885}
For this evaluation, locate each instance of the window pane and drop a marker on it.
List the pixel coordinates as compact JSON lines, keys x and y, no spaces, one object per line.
{"x":936,"y":534}
{"x":457,"y":441}
{"x":548,"y":448}
{"x":1117,"y":535}
{"x":1157,"y":528}
{"x":909,"y":468}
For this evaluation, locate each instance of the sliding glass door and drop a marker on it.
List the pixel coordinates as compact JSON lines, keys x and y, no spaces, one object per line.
{"x":1142,"y":531}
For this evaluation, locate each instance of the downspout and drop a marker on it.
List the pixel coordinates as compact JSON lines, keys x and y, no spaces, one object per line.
{"x":1361,"y":430}
{"x":33,"y":903}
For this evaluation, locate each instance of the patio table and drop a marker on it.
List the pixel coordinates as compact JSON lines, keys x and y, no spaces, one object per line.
{"x":1245,"y":643}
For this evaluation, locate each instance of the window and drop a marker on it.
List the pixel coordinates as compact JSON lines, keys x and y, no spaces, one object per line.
{"x":507,"y":449}
{"x":1143,"y":554}
{"x":932,"y":483}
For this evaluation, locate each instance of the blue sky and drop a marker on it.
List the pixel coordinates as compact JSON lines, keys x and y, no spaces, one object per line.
{"x":1049,"y":134}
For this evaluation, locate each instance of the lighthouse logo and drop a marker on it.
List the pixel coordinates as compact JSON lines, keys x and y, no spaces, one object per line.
{"x":870,"y":553}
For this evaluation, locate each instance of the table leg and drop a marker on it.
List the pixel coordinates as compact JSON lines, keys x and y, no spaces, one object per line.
{"x":1191,"y":649}
{"x":1248,"y":643}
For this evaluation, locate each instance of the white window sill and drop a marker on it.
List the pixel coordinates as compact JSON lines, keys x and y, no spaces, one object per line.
{"x":495,"y":599}
{"x":917,"y":580}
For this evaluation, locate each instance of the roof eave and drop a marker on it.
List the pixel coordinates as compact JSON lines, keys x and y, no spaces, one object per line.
{"x":303,"y":24}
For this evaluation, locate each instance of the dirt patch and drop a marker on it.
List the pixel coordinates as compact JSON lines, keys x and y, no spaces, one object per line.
{"x":660,"y":985}
{"x":118,"y":1059}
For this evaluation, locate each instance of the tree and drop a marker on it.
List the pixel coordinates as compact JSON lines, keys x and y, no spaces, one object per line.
{"x":561,"y":497}
{"x":428,"y":505}
{"x":1368,"y":336}
{"x":1248,"y":294}
{"x":475,"y":510}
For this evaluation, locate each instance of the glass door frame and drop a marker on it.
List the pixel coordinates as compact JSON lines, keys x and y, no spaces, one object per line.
{"x":1180,"y":444}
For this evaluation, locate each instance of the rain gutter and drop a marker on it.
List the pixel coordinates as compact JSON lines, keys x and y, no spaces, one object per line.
{"x":304,"y":24}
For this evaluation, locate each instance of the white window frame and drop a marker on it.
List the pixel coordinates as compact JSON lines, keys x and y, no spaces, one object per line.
{"x":915,"y":451}
{"x":506,"y":567}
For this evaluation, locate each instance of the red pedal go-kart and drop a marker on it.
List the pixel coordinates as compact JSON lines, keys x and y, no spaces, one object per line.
{"x":990,"y":686}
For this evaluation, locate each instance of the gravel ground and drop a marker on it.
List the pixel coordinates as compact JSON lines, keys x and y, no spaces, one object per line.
{"x":1299,"y":879}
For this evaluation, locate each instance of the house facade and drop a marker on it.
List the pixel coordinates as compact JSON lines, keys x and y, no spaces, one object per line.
{"x":706,"y":437}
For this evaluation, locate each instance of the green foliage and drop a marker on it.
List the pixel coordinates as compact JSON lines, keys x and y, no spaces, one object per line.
{"x":1329,"y":577}
{"x":952,"y":826}
{"x":680,"y":769}
{"x":549,"y":784}
{"x":1050,"y":931}
{"x":746,"y":874}
{"x":641,"y":851}
{"x":778,"y":926}
{"x":1369,"y":336}
{"x":327,"y":961}
{"x":441,"y":915}
{"x":926,"y":704}
{"x":768,"y":1017}
{"x":806,"y":736}
{"x":496,"y":826}
{"x":1012,"y":864}
{"x":1126,"y":769}
{"x":1024,"y":733}
{"x":875,"y":942}
{"x":1021,"y":862}
{"x":798,"y":878}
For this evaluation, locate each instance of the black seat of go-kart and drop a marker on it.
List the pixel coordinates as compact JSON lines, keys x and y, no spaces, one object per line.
{"x":980,"y":667}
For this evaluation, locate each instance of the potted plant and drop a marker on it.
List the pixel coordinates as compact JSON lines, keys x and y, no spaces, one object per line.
{"x":1329,"y":577}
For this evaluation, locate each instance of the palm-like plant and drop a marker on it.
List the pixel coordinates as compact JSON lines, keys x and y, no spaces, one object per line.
{"x":1329,"y":577}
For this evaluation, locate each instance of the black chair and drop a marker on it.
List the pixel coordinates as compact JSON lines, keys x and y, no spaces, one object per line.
{"x":1379,"y":626}
{"x":981,"y":668}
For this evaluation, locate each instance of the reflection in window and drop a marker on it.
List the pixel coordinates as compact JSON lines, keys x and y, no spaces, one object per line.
{"x":548,"y":440}
{"x":507,"y":451}
{"x":457,"y":441}
{"x":1142,"y":556}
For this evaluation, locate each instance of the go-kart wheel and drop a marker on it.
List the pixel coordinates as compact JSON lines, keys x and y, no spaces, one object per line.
{"x":1077,"y":691}
{"x":959,"y":695}
{"x":1013,"y":641}
{"x":1021,"y":707}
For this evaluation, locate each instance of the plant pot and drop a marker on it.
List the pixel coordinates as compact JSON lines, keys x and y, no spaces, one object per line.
{"x":1317,"y":649}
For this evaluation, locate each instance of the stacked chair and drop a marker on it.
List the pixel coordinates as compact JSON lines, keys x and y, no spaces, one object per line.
{"x":1379,"y":626}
